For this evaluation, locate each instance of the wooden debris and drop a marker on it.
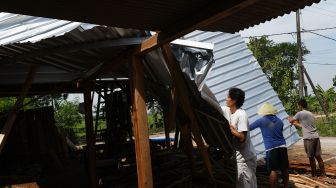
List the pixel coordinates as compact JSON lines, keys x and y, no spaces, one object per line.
{"x":25,"y":185}
{"x":303,"y":181}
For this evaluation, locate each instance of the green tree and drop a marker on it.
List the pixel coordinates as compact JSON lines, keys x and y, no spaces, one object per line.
{"x":334,"y":81}
{"x":7,"y":103}
{"x":67,"y":117}
{"x":54,"y":100}
{"x":279,"y":63}
{"x":328,"y":97}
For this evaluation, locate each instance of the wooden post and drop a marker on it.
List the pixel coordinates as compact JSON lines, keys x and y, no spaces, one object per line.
{"x":139,"y":117}
{"x":90,"y":142}
{"x":300,"y":66}
{"x":187,"y":107}
{"x":170,"y":116}
{"x":18,"y":104}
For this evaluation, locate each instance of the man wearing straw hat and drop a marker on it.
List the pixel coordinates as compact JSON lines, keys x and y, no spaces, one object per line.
{"x":276,"y":151}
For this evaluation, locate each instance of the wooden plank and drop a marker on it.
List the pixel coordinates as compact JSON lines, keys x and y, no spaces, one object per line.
{"x":209,"y":15}
{"x":25,"y":185}
{"x":140,"y":128}
{"x":181,"y":89}
{"x":172,"y":109}
{"x":90,"y":141}
{"x":186,"y":137}
{"x":18,"y":104}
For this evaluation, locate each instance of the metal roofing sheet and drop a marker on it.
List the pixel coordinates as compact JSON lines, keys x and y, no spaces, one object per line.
{"x":159,"y":15}
{"x":63,"y":50}
{"x":235,"y":66}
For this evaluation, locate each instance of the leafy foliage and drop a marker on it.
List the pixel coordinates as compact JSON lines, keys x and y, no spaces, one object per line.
{"x":155,"y":116}
{"x":279,"y":62}
{"x":334,"y":81}
{"x":68,"y":118}
{"x":7,"y":103}
{"x":329,"y":97}
{"x":50,"y":100}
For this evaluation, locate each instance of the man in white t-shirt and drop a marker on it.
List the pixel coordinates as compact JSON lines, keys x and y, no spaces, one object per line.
{"x":239,"y":126}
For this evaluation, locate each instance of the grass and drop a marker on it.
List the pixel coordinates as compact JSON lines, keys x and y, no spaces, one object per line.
{"x":326,"y":128}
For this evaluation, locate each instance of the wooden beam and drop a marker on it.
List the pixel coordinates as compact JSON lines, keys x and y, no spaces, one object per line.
{"x":90,"y":142}
{"x":172,"y":109}
{"x":182,"y":92}
{"x":139,"y":116}
{"x":100,"y":69}
{"x":19,"y":102}
{"x":170,"y":116}
{"x":209,"y":15}
{"x":186,"y":137}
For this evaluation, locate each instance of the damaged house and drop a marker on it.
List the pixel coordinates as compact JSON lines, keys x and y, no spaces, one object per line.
{"x":124,"y":66}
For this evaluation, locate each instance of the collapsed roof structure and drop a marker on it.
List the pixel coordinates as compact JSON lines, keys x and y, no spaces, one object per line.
{"x":236,"y":67}
{"x":72,"y":62}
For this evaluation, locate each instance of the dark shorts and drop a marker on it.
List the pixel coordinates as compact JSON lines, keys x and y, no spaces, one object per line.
{"x":277,"y":159}
{"x":312,"y":147}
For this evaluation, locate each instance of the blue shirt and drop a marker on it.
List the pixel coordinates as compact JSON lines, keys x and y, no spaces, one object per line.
{"x":271,"y":129}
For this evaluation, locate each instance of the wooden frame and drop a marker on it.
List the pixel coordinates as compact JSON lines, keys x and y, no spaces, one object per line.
{"x":181,"y":89}
{"x":139,"y":117}
{"x":18,"y":104}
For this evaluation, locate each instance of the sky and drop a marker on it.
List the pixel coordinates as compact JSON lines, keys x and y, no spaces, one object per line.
{"x":322,"y":50}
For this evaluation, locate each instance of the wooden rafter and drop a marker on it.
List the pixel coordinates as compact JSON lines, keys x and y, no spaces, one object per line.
{"x":186,"y":105}
{"x":209,"y":15}
{"x":19,"y":102}
{"x":139,"y":116}
{"x":100,"y":69}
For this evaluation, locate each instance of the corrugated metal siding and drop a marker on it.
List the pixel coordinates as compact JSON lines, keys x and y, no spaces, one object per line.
{"x":235,"y":66}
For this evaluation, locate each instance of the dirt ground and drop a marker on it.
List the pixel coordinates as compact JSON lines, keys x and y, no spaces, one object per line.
{"x":299,"y":163}
{"x":297,"y":154}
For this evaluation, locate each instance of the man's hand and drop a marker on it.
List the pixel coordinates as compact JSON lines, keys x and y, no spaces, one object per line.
{"x":239,"y":135}
{"x":290,"y":119}
{"x":294,"y":122}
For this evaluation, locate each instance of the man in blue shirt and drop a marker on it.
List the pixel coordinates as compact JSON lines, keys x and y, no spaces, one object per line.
{"x":276,"y":151}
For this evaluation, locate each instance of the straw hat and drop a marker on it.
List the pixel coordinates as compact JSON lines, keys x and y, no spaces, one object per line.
{"x":267,"y":109}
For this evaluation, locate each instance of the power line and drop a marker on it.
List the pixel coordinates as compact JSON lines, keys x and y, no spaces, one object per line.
{"x":320,"y":64}
{"x":293,"y":32}
{"x":321,"y":35}
{"x":325,"y":10}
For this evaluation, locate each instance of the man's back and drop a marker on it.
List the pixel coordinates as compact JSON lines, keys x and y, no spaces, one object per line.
{"x":307,"y":120}
{"x":271,"y":128}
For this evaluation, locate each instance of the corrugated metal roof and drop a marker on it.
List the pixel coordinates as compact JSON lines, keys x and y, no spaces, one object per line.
{"x":69,"y":49}
{"x":20,"y":28}
{"x":159,"y":15}
{"x":235,"y":66}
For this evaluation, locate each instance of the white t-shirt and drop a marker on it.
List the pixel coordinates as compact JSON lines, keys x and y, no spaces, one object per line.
{"x":244,"y":150}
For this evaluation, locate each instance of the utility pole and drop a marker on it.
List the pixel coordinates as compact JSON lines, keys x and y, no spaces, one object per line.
{"x":300,"y":67}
